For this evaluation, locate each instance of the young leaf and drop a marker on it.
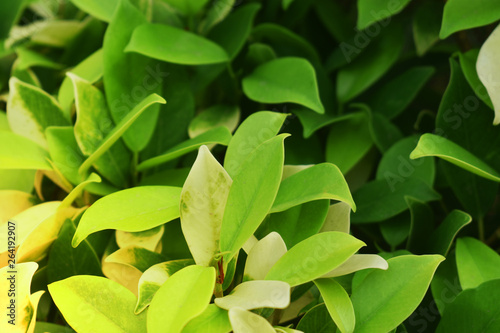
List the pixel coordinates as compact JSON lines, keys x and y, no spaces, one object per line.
{"x":24,"y":99}
{"x":270,"y":83}
{"x":442,"y":238}
{"x":356,"y":263}
{"x":154,"y":205}
{"x":314,"y":257}
{"x":103,"y":10}
{"x":219,"y":135}
{"x":202,"y":204}
{"x":370,"y":11}
{"x":179,"y":46}
{"x":253,"y":295}
{"x":18,"y":152}
{"x":322,"y":181}
{"x":154,"y":277}
{"x":252,"y":194}
{"x":338,"y":304}
{"x":457,"y":16}
{"x":217,"y":115}
{"x":243,"y":321}
{"x":488,"y":69}
{"x":263,"y":255}
{"x":185,"y":295}
{"x":147,"y":239}
{"x":476,"y":262}
{"x":338,"y":218}
{"x":434,"y":145}
{"x":384,"y":299}
{"x":257,"y":128}
{"x":212,"y":320}
{"x":96,"y":304}
{"x":129,"y":77}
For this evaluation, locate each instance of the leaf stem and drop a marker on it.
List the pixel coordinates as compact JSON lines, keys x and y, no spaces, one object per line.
{"x":134,"y":172}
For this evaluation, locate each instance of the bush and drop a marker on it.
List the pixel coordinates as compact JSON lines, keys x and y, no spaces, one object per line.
{"x":187,"y":166}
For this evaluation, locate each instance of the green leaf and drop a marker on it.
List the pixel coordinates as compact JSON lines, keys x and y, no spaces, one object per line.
{"x":338,"y":304}
{"x":297,"y":223}
{"x":251,"y":295}
{"x":317,"y":320}
{"x":188,"y":7}
{"x":185,"y":295}
{"x":395,"y":96}
{"x":28,"y":58}
{"x":257,"y":128}
{"x":24,"y":100}
{"x":374,"y":61}
{"x":18,"y":152}
{"x":178,"y":46}
{"x":243,"y":321}
{"x":426,"y":25}
{"x":148,"y":239}
{"x":384,"y":133}
{"x":474,"y":310}
{"x":120,"y":129}
{"x":371,"y":11}
{"x":43,"y":327}
{"x":217,"y":115}
{"x":356,"y":263}
{"x":252,"y":194}
{"x":434,"y":145}
{"x":488,"y":69}
{"x":218,"y":135}
{"x":476,"y":263}
{"x":445,"y":285}
{"x":378,"y":200}
{"x":263,"y":256}
{"x":348,"y":141}
{"x":422,"y":224}
{"x":103,"y":10}
{"x":384,"y":299}
{"x":270,"y":83}
{"x":314,"y":257}
{"x":442,"y":238}
{"x":215,"y":14}
{"x":129,"y":77}
{"x":93,"y":124}
{"x":154,"y":277}
{"x":65,"y":261}
{"x":338,"y":218}
{"x":90,"y":69}
{"x":104,"y":305}
{"x":9,"y":14}
{"x":462,"y":14}
{"x":212,"y":320}
{"x":322,"y":181}
{"x":134,"y":209}
{"x":203,"y":200}
{"x":233,"y":32}
{"x":468,"y":61}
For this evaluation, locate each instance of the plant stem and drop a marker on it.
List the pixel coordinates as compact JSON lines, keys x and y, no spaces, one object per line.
{"x":218,"y":290}
{"x":135,"y":174}
{"x":480,"y":227}
{"x":278,"y":313}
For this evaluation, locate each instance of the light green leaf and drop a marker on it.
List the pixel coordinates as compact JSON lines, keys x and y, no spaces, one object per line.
{"x":212,"y":320}
{"x":253,"y":295}
{"x":474,"y":310}
{"x":18,"y":152}
{"x":244,"y":321}
{"x":28,"y":58}
{"x":96,"y":304}
{"x":31,"y":110}
{"x":270,"y":83}
{"x":217,"y":115}
{"x":263,"y":255}
{"x":356,"y":263}
{"x":254,"y":130}
{"x":252,"y":194}
{"x":215,"y":14}
{"x":434,"y":145}
{"x":233,"y":32}
{"x":488,"y":69}
{"x":384,"y":299}
{"x":338,"y":218}
{"x":371,"y":11}
{"x":90,"y":69}
{"x":134,"y":209}
{"x":185,"y":295}
{"x":115,"y":134}
{"x":178,"y":46}
{"x":442,"y":238}
{"x":317,"y":320}
{"x":476,"y":262}
{"x":202,"y":204}
{"x":218,"y":135}
{"x":148,"y":239}
{"x":154,"y":277}
{"x":463,"y":14}
{"x":103,"y":10}
{"x":338,"y":304}
{"x":348,"y":141}
{"x":188,"y":7}
{"x":314,"y":257}
{"x":129,"y":77}
{"x":322,"y":181}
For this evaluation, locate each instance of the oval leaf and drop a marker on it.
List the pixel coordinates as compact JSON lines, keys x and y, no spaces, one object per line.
{"x":358,"y":262}
{"x":338,"y":304}
{"x":263,"y":255}
{"x":253,"y":295}
{"x":244,"y":321}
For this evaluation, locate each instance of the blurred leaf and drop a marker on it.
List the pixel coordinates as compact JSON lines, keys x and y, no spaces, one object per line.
{"x":488,"y":71}
{"x":18,"y":152}
{"x":217,"y":115}
{"x":371,"y":11}
{"x":426,"y":25}
{"x":251,"y":295}
{"x":462,"y":14}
